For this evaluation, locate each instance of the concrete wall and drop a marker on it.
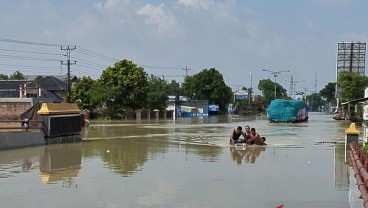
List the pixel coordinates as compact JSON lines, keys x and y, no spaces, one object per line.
{"x":11,"y":108}
{"x":10,"y":140}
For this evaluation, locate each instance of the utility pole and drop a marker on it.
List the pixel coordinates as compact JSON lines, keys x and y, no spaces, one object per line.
{"x":294,"y":83}
{"x":250,"y":93}
{"x":291,"y":86}
{"x":186,"y":71}
{"x":315,"y":83}
{"x":275,"y":75}
{"x":68,"y":50}
{"x":304,"y":97}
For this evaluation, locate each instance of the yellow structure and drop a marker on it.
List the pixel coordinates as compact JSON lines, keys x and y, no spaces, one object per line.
{"x":352,"y":135}
{"x":352,"y":129}
{"x":58,"y":108}
{"x":59,"y":175}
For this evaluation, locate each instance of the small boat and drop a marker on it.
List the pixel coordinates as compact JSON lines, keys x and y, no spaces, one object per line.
{"x":287,"y":111}
{"x":339,"y":115}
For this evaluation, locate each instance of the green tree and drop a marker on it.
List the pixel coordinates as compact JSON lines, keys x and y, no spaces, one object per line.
{"x":315,"y":101}
{"x":17,"y":75}
{"x":328,"y":92}
{"x":87,"y":93}
{"x":352,"y":85}
{"x":38,"y":78}
{"x":4,"y":77}
{"x":157,"y":94}
{"x":98,"y":96}
{"x":127,"y":84}
{"x":267,"y":87}
{"x":174,"y":88}
{"x":208,"y":85}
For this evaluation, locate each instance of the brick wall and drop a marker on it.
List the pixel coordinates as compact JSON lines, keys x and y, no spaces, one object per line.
{"x":12,"y":108}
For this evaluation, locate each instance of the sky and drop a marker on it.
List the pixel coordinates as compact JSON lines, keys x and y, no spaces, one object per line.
{"x":239,"y":38}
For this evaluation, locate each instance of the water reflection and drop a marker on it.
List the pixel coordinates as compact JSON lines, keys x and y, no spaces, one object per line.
{"x":17,"y":161}
{"x":61,"y":162}
{"x":126,"y":156}
{"x":206,"y":153}
{"x":246,"y":154}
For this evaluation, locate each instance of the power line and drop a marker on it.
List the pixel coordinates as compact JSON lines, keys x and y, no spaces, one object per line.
{"x":94,"y":56}
{"x":25,"y":66}
{"x":88,"y":67}
{"x":81,"y":50}
{"x":28,"y":42}
{"x":27,"y":58}
{"x":33,"y":52}
{"x":158,"y":67}
{"x":89,"y":62}
{"x":92,"y":53}
{"x":25,"y":70}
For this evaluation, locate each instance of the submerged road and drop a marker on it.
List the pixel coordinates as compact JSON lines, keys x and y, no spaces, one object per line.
{"x":187,"y":163}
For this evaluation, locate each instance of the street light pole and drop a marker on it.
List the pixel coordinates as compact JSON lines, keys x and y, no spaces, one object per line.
{"x":275,"y":74}
{"x":250,"y":89}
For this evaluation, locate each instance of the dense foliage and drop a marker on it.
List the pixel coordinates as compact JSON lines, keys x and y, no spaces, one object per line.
{"x":127,"y":85}
{"x":352,"y":85}
{"x":17,"y":75}
{"x":208,"y":85}
{"x":267,"y":87}
{"x":157,"y":94}
{"x":4,"y":77}
{"x":328,"y":92}
{"x":82,"y":92}
{"x":315,"y":102}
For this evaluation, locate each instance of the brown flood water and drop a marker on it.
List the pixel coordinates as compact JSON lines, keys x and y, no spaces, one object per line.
{"x":187,"y":163}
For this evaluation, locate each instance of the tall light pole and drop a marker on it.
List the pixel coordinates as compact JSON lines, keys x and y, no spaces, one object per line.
{"x":250,"y":89}
{"x":294,"y":83}
{"x":275,"y":74}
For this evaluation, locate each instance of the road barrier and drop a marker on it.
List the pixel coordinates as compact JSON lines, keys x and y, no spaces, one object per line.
{"x":359,"y":162}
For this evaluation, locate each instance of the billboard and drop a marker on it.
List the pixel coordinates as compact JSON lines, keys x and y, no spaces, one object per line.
{"x":351,"y":57}
{"x":214,"y":108}
{"x":241,"y":97}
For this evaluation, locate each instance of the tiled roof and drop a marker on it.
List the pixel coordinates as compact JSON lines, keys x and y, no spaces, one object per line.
{"x":11,"y":84}
{"x":52,"y":83}
{"x":10,"y":88}
{"x":9,"y":94}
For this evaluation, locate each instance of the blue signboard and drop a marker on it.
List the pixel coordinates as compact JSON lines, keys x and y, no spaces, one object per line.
{"x":241,"y":97}
{"x":213,"y":107}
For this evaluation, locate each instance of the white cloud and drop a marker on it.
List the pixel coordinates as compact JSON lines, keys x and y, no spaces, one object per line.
{"x":110,"y":4}
{"x":197,"y":4}
{"x":157,"y":17}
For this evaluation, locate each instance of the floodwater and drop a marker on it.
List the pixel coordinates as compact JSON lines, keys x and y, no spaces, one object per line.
{"x":187,"y":163}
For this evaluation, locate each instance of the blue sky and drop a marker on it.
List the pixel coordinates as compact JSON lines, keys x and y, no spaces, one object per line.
{"x":237,"y":37}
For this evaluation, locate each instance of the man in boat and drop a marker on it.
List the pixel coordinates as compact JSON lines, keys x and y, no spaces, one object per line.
{"x":246,"y":133}
{"x":235,"y":135}
{"x":255,"y":138}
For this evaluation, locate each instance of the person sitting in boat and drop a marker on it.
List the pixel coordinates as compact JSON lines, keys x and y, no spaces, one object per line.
{"x":255,"y":138}
{"x":235,"y":135}
{"x":246,"y":133}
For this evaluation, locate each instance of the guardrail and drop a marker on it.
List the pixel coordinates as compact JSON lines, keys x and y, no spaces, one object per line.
{"x":359,"y":163}
{"x":18,"y":125}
